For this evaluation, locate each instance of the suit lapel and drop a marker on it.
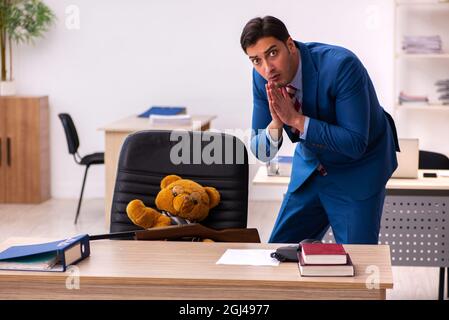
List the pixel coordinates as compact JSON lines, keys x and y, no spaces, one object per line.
{"x":309,"y":82}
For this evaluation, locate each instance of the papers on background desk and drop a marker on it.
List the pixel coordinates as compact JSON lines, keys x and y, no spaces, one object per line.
{"x":251,"y":257}
{"x":180,"y":119}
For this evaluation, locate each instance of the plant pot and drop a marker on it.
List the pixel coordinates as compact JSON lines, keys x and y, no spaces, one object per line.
{"x":7,"y":88}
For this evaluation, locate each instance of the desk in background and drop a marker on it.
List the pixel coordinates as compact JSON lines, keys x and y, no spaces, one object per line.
{"x":187,"y":270}
{"x":115,"y":134}
{"x":429,"y":186}
{"x":415,"y":219}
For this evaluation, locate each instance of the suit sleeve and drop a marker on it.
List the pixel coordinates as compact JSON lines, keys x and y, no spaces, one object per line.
{"x":349,"y":136}
{"x":261,"y":145}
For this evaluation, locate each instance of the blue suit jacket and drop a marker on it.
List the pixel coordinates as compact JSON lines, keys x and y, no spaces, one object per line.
{"x":349,"y":133}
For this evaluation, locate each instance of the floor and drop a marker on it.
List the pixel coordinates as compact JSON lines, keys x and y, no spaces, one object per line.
{"x":54,"y":219}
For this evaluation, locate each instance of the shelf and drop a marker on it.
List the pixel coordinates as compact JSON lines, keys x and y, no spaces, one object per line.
{"x":421,"y":3}
{"x":439,"y":60}
{"x":426,"y":107}
{"x":423,"y":55}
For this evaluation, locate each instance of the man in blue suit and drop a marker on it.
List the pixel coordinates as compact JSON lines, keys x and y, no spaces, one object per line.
{"x":323,"y":97}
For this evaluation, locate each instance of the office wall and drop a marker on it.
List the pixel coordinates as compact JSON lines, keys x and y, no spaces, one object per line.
{"x":120,"y":57}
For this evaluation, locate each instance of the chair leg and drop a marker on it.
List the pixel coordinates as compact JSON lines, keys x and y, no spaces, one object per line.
{"x":81,"y":195}
{"x":441,"y":285}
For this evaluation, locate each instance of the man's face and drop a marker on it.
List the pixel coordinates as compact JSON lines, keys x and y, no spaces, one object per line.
{"x":274,"y":60}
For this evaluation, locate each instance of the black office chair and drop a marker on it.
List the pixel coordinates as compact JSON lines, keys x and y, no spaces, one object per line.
{"x":73,"y":144}
{"x":434,"y":160}
{"x":145,"y":159}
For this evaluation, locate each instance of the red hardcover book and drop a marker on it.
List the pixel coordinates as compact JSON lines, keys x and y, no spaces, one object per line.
{"x":326,"y":270}
{"x":323,"y":253}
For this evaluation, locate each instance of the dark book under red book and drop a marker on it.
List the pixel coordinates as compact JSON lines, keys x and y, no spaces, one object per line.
{"x":323,"y":253}
{"x":326,"y":270}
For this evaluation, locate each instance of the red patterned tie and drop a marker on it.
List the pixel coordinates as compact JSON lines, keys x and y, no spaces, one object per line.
{"x":292,"y":93}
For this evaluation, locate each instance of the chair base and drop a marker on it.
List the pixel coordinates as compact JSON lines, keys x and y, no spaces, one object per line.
{"x":442,"y":283}
{"x":81,"y":195}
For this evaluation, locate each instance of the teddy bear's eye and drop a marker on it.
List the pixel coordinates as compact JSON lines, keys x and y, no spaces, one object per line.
{"x":195,"y":196}
{"x":177,"y":190}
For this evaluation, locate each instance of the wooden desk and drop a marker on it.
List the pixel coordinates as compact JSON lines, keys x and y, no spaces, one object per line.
{"x":186,"y":270}
{"x":414,"y":211}
{"x":115,"y":134}
{"x":394,"y":185}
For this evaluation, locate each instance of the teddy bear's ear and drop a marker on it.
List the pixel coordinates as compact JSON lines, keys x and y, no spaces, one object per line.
{"x":214,"y":196}
{"x":169,"y":179}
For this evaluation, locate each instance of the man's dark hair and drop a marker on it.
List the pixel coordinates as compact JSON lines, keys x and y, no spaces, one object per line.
{"x":257,"y":28}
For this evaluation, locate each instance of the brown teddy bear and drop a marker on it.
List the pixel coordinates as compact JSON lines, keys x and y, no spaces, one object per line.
{"x":180,"y":200}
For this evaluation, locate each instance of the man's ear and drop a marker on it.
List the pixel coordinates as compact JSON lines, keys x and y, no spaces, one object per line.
{"x":290,"y":44}
{"x":169,"y":179}
{"x":214,"y":196}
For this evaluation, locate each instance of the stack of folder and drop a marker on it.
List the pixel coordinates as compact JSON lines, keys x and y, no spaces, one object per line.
{"x":163,"y":111}
{"x":167,"y":115}
{"x":49,"y":256}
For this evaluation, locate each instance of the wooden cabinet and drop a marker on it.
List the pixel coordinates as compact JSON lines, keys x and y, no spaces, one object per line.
{"x":24,"y":150}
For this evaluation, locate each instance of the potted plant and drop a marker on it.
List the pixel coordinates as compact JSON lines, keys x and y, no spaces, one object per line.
{"x":21,"y":21}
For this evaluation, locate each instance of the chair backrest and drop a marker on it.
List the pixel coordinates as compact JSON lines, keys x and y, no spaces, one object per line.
{"x":146,"y":157}
{"x":70,"y":132}
{"x":433,"y":160}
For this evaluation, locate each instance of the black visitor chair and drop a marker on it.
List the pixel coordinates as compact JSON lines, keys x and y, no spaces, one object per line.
{"x":434,"y":160}
{"x":73,"y":144}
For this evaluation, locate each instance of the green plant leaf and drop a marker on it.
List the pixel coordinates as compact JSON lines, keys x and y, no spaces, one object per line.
{"x":22,"y":21}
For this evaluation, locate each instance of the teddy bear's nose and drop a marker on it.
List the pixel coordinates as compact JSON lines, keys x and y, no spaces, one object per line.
{"x":183,"y":203}
{"x":187,"y":205}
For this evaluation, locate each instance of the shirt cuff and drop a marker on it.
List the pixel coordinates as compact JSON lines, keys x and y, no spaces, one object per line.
{"x":303,"y":135}
{"x":271,"y":139}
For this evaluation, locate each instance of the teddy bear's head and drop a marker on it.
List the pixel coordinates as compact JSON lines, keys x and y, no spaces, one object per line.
{"x":186,"y":198}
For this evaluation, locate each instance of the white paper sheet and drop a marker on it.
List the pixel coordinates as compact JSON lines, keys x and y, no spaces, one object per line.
{"x":252,"y":257}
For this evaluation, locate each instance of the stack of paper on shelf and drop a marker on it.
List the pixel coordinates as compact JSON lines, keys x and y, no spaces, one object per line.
{"x":422,"y":44}
{"x":443,"y":90}
{"x":407,"y":98}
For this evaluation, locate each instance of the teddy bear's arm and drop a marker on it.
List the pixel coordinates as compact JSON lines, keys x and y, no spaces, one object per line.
{"x":162,"y":221}
{"x":143,"y":216}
